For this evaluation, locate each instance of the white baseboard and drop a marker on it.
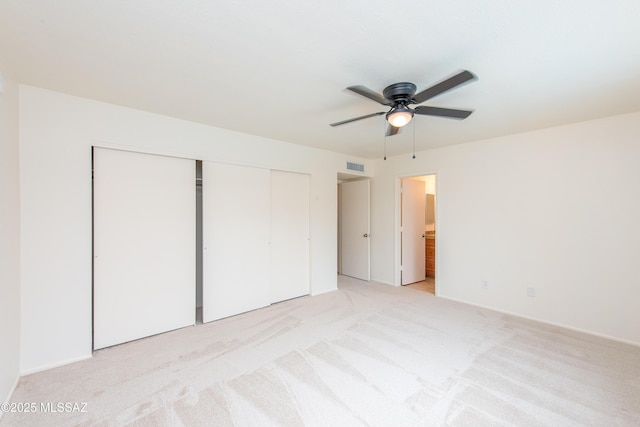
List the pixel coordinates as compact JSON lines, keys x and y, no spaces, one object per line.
{"x":383,"y":282}
{"x":11,"y":391}
{"x":54,"y":365}
{"x":326,"y":291}
{"x":547,"y":322}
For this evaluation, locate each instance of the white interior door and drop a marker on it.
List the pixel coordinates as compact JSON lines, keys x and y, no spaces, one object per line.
{"x":289,"y":235}
{"x":413,"y":231}
{"x":355,"y":229}
{"x":144,"y":245}
{"x":236,"y":228}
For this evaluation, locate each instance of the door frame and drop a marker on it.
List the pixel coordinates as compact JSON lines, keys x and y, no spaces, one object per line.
{"x":397,"y":243}
{"x":344,"y":177}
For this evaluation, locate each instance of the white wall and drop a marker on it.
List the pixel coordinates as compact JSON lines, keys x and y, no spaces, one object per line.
{"x":9,"y":235}
{"x":556,"y":209}
{"x":57,"y":132}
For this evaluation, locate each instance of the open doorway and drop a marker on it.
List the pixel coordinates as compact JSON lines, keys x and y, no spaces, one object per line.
{"x":418,"y":232}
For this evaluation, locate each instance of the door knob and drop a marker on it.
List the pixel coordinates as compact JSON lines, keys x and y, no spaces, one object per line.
{"x":365,"y":235}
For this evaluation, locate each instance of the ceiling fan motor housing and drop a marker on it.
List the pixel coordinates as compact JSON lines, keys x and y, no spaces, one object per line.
{"x":400,"y":92}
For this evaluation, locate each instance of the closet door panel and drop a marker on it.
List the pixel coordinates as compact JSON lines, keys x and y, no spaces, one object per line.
{"x":289,"y":235}
{"x":235,"y":238}
{"x":144,"y":245}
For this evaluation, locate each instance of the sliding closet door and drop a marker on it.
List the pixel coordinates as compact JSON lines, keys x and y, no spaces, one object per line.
{"x":236,"y":239}
{"x":289,"y":235}
{"x":144,"y":245}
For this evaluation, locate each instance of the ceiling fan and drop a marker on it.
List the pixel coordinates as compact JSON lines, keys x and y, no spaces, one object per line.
{"x":399,"y":96}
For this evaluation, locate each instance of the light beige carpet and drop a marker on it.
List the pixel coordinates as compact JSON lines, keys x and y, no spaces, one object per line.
{"x":368,"y":354}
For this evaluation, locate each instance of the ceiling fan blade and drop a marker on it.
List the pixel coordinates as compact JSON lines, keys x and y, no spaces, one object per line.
{"x":357,"y":118}
{"x":391,"y":130}
{"x":442,"y":112}
{"x":368,"y":93}
{"x":443,"y":86}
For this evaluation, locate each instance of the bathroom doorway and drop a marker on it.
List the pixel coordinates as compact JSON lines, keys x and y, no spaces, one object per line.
{"x":418,"y":232}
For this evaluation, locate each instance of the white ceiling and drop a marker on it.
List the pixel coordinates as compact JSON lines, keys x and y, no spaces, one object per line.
{"x":279,"y":68}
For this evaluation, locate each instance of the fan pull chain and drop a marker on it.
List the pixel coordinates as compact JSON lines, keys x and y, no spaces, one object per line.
{"x":385,"y":148}
{"x":385,"y":141}
{"x":414,"y":139}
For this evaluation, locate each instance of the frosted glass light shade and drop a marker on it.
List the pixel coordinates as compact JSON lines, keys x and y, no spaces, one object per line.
{"x":400,"y":117}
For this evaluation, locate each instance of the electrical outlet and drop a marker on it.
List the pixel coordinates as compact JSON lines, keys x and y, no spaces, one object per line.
{"x":485,"y":284}
{"x":531,"y":292}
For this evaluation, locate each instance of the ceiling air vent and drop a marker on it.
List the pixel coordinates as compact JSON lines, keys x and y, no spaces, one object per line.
{"x":355,"y":167}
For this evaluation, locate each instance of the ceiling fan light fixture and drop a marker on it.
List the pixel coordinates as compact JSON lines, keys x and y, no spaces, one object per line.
{"x":399,"y":116}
